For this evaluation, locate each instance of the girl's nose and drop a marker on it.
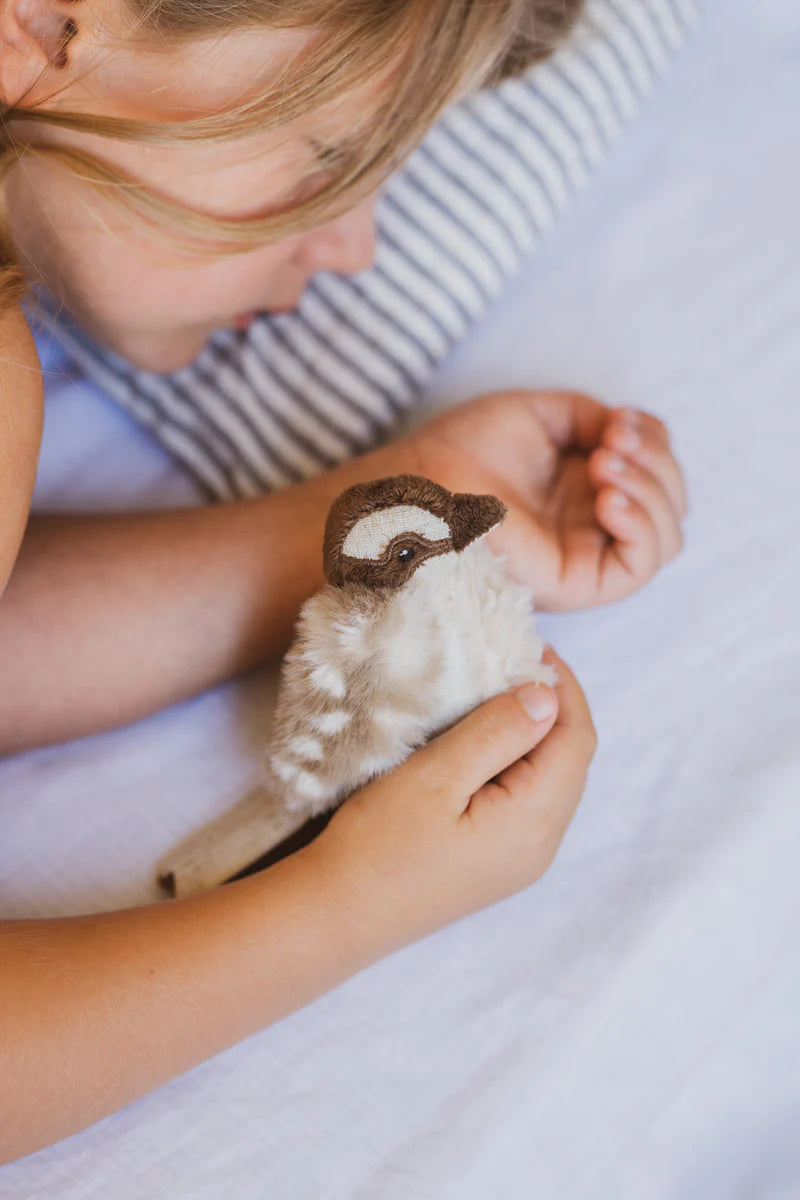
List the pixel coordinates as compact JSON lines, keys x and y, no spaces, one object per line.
{"x":346,"y":245}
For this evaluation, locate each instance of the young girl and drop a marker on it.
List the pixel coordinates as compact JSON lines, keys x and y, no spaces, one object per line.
{"x":168,"y":169}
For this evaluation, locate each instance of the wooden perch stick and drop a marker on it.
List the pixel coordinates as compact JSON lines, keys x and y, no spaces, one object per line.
{"x":227,"y":846}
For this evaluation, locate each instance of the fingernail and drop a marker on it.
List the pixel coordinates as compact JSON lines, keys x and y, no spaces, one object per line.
{"x":537,"y":701}
{"x":615,"y":465}
{"x":619,"y":500}
{"x":630,"y":417}
{"x":627,"y":438}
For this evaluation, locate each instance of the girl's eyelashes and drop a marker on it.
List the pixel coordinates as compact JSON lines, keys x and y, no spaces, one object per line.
{"x":69,"y":32}
{"x":328,"y":155}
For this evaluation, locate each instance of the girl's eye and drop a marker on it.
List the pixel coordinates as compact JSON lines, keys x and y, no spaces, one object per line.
{"x":406,"y":554}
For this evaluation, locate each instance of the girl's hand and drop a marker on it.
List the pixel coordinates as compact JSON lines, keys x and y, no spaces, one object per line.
{"x":469,"y":819}
{"x":596,"y":497}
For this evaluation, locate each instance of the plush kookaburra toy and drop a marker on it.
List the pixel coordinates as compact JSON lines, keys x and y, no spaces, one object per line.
{"x":417,"y":624}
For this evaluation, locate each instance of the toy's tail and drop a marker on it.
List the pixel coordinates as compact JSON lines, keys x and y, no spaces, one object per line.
{"x":256,"y":832}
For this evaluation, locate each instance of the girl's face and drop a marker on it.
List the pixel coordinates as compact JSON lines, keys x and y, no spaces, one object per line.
{"x":133,"y":290}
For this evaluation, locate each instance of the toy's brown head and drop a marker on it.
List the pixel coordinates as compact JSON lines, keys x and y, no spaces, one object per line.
{"x":378,"y":534}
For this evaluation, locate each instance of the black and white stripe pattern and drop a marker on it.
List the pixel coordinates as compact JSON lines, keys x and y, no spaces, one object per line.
{"x":300,"y":392}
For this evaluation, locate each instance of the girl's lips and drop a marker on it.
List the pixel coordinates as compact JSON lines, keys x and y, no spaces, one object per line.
{"x":245,"y":320}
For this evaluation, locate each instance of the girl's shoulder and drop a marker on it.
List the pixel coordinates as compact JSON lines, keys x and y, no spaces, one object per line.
{"x":20,"y":430}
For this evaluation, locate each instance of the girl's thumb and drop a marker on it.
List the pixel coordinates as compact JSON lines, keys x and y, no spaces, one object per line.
{"x":490,"y":738}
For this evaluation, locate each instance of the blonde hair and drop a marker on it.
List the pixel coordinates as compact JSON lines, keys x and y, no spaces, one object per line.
{"x":427,"y":52}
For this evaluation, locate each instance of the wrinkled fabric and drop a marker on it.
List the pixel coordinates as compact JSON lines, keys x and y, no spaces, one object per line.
{"x":627,"y":1027}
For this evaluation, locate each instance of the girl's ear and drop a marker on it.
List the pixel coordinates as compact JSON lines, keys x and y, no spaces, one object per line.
{"x":34,"y":36}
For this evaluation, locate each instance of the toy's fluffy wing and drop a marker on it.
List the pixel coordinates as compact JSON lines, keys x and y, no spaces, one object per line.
{"x":340,"y":719}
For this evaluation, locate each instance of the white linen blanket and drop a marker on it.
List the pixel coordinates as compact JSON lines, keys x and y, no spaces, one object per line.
{"x":628,"y":1027}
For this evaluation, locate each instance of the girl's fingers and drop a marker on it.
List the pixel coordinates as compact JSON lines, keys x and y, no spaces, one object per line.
{"x":459,"y":761}
{"x":573,"y":713}
{"x":643,"y":439}
{"x":637,"y":421}
{"x":573,"y":725}
{"x":574,"y":421}
{"x":610,"y":470}
{"x":634,"y":554}
{"x":549,"y":778}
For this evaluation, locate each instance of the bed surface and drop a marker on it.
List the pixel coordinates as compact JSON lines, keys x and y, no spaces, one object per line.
{"x":628,"y":1027}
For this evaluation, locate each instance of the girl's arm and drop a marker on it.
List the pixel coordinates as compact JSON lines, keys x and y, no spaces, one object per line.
{"x":108,"y":618}
{"x":96,"y":1011}
{"x":20,"y":431}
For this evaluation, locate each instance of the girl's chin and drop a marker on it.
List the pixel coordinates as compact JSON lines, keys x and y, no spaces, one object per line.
{"x":157,"y":354}
{"x":164,"y":352}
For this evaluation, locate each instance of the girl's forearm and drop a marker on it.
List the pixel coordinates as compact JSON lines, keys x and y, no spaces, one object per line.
{"x":97,"y":1011}
{"x":108,"y":618}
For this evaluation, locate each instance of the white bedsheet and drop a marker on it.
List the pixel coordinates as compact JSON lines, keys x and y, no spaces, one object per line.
{"x":629,"y":1027}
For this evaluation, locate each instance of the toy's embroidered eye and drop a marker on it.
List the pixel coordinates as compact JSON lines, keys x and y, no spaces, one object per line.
{"x":406,"y":554}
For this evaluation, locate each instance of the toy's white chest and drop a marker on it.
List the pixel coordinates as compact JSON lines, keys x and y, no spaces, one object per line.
{"x":371,"y":677}
{"x":464,"y":630}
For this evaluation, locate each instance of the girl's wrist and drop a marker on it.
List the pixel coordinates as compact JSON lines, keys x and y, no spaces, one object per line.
{"x":330,"y":923}
{"x":367,"y":887}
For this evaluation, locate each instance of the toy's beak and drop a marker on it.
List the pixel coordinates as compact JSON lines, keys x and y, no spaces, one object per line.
{"x":473,"y":516}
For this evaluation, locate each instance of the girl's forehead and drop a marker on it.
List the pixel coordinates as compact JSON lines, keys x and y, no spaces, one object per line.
{"x":132,"y":79}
